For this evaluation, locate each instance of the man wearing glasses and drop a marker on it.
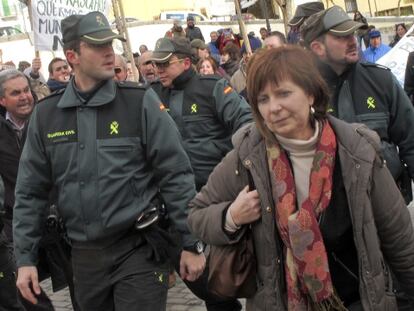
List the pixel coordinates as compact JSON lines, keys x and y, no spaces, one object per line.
{"x":207,"y":111}
{"x":110,"y":149}
{"x":59,"y":74}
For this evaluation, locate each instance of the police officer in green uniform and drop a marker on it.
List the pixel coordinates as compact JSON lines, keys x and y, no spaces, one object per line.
{"x":207,"y":112}
{"x":206,"y":109}
{"x":110,"y":149}
{"x":364,"y":93}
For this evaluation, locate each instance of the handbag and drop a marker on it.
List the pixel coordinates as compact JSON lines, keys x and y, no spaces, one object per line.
{"x":232,"y":267}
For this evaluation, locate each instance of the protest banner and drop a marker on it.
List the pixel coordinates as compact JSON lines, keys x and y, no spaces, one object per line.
{"x":396,"y":59}
{"x":47,"y":14}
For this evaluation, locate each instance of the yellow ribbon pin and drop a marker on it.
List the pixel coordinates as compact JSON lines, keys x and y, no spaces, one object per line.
{"x":371,"y":103}
{"x":114,"y":127}
{"x":194,"y":108}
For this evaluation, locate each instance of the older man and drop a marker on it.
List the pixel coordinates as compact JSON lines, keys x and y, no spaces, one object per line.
{"x":121,"y":68}
{"x":146,"y":68}
{"x":16,"y":101}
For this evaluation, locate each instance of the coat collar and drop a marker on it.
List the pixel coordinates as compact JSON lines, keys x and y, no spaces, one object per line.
{"x":104,"y":95}
{"x":355,"y":139}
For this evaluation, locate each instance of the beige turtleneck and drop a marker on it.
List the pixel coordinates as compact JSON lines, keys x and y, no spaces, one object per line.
{"x":301,"y":154}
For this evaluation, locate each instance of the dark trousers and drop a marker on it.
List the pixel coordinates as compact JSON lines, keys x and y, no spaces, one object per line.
{"x":118,"y":277}
{"x":10,"y":300}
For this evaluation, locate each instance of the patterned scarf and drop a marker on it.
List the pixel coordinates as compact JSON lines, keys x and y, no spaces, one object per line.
{"x":308,"y":278}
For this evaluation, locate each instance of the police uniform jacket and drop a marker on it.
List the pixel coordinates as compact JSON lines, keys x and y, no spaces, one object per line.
{"x":369,"y":94}
{"x":207,"y":112}
{"x":108,"y":156}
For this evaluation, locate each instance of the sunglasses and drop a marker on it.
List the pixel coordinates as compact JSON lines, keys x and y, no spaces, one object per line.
{"x":167,"y":64}
{"x":117,"y":70}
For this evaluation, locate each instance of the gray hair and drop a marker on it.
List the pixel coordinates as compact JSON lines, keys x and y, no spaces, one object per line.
{"x":123,"y":61}
{"x":7,"y":75}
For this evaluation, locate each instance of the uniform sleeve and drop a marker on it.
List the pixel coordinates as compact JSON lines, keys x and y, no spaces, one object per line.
{"x":394,"y":227}
{"x":169,"y":162}
{"x":209,"y":208}
{"x":232,"y":109}
{"x":32,"y":189}
{"x":409,"y":75}
{"x":402,"y":119}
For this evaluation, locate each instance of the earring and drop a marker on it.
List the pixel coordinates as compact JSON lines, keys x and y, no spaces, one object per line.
{"x":312,"y":110}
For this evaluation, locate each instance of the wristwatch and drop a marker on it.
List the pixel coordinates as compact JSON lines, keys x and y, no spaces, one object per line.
{"x":196,"y":248}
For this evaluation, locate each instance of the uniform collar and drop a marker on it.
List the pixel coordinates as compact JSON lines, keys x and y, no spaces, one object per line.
{"x":104,"y":95}
{"x":180,"y":82}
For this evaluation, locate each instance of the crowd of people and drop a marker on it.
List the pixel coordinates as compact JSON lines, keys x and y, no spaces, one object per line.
{"x":114,"y":185}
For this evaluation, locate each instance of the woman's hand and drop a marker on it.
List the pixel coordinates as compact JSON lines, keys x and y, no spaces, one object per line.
{"x":246,"y":208}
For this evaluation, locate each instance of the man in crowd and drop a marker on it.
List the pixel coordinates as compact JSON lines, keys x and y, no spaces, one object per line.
{"x":207,"y":111}
{"x":17,"y":102}
{"x":212,"y":46}
{"x":199,"y":49}
{"x":274,"y":40}
{"x":121,"y":69}
{"x":364,"y":92}
{"x":113,"y":153}
{"x":193,"y":32}
{"x":376,"y":48}
{"x":146,"y":68}
{"x":59,"y":74}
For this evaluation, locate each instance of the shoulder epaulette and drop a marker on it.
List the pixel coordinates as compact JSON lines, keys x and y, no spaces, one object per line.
{"x":372,"y":65}
{"x":130,"y":85}
{"x":210,"y":77}
{"x":51,"y":95}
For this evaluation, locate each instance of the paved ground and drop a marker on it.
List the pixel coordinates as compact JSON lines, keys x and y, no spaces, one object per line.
{"x":179,"y":298}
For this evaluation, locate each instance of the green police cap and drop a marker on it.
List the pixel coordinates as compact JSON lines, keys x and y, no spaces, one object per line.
{"x":333,"y":20}
{"x":166,"y":47}
{"x":92,"y":28}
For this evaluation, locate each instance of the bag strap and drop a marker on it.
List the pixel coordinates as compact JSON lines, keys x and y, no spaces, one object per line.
{"x":251,"y":182}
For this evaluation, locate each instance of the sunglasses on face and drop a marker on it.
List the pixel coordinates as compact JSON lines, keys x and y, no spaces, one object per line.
{"x":167,"y":64}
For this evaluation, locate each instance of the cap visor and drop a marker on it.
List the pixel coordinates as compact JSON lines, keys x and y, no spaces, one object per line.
{"x":160,"y":57}
{"x":345,"y":29}
{"x":101,"y":37}
{"x":295,"y":21}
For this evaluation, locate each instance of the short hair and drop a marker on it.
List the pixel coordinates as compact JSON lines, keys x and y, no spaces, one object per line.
{"x":123,"y":60}
{"x":53,"y":61}
{"x":209,"y":59}
{"x":278,"y":34}
{"x":10,"y":74}
{"x":293,"y":63}
{"x":233,"y":50}
{"x":72,"y":45}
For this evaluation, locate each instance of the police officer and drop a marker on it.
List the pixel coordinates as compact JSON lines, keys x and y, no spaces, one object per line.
{"x":364,"y":92}
{"x":207,"y":112}
{"x":110,"y":149}
{"x":206,"y":109}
